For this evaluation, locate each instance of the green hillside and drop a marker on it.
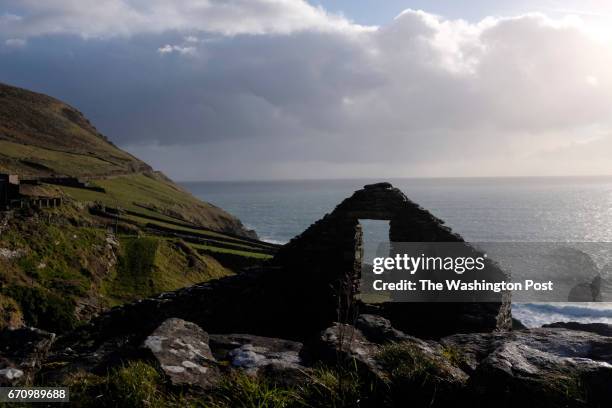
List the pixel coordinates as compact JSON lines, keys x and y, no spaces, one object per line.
{"x":125,"y":233}
{"x":41,"y":137}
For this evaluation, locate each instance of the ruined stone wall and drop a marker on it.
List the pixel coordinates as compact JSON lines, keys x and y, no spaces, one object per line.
{"x":325,"y":255}
{"x":311,"y":282}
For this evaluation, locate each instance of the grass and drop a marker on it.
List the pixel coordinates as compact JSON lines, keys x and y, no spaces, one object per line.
{"x":59,"y":162}
{"x":154,"y":196}
{"x":63,"y":263}
{"x":243,"y":391}
{"x":54,"y":138}
{"x":10,"y":313}
{"x":416,"y":376}
{"x":120,"y":198}
{"x":139,"y":256}
{"x":134,"y":385}
{"x":323,"y":387}
{"x":567,"y":386}
{"x":454,"y":355}
{"x":248,"y":254}
{"x":43,"y":309}
{"x":150,"y":265}
{"x":58,"y":265}
{"x":139,"y":384}
{"x":143,"y":220}
{"x":197,"y":233}
{"x":334,"y":387}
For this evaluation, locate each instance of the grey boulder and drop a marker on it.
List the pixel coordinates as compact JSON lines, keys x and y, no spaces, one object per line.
{"x":182,"y":351}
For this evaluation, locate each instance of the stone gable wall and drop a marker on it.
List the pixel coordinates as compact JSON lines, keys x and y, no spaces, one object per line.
{"x":310,"y":283}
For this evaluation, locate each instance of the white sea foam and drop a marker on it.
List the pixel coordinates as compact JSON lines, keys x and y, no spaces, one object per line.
{"x":537,"y":314}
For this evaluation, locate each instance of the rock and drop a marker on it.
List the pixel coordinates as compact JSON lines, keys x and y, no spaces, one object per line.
{"x":8,"y":254}
{"x":517,"y":324}
{"x":586,"y":291}
{"x":278,"y":360}
{"x":378,"y":329}
{"x":21,"y":354}
{"x":346,"y":345}
{"x":251,"y":357}
{"x":221,"y":344}
{"x":602,"y":329}
{"x":553,"y":366}
{"x":182,"y":351}
{"x":407,"y":370}
{"x":377,"y":186}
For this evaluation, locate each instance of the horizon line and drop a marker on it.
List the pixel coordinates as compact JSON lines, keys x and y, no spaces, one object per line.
{"x":383,"y":179}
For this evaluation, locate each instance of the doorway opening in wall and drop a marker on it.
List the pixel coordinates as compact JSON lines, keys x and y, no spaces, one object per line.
{"x":375,"y":243}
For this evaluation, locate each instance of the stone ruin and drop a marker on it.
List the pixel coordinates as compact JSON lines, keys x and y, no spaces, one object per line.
{"x":14,"y":193}
{"x":327,"y":258}
{"x":310,"y":283}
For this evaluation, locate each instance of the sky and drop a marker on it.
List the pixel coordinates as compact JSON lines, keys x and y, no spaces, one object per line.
{"x":289,"y":89}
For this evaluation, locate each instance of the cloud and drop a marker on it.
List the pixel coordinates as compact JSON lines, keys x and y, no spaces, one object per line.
{"x":169,"y":49}
{"x":15,"y":42}
{"x":108,"y":18}
{"x":284,"y":89}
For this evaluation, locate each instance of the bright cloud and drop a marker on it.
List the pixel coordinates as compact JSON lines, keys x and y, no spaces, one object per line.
{"x":168,"y":49}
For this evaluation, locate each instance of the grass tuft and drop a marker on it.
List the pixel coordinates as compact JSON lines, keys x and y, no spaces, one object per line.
{"x":416,"y":376}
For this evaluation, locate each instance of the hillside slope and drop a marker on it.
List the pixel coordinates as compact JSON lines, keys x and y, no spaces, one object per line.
{"x":121,"y":232}
{"x":36,"y":131}
{"x":41,"y":136}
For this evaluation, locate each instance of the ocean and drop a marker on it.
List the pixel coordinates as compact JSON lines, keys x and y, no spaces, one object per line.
{"x":539,"y":209}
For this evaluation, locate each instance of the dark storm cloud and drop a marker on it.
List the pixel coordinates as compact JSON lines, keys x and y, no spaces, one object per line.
{"x":223,"y":93}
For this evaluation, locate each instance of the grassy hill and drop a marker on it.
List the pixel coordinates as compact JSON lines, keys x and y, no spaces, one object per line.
{"x":41,"y":136}
{"x":130,"y":233}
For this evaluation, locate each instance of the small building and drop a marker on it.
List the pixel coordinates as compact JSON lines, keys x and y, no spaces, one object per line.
{"x":9,"y":189}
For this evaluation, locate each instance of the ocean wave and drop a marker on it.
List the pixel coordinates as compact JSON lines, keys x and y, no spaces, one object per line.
{"x":537,"y":314}
{"x":273,"y":241}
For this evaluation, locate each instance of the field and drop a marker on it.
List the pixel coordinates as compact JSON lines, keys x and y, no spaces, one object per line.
{"x":152,"y":195}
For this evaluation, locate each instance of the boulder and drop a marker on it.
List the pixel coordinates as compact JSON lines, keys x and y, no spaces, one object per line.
{"x":404,"y":369}
{"x":278,"y":360}
{"x":379,"y":330}
{"x":602,"y":329}
{"x":182,"y":351}
{"x":547,"y":367}
{"x":222,"y":344}
{"x":22,"y":352}
{"x":345,"y":345}
{"x":586,"y":291}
